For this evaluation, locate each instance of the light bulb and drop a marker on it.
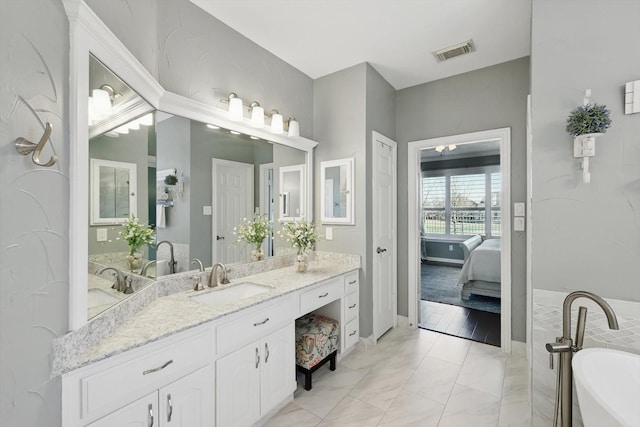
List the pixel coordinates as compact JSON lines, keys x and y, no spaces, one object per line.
{"x":235,"y":108}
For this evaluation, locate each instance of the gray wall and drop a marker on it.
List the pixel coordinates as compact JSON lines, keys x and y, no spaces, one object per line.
{"x":598,"y":223}
{"x":347,"y":106}
{"x":173,"y":136}
{"x":34,"y":209}
{"x":493,"y":97}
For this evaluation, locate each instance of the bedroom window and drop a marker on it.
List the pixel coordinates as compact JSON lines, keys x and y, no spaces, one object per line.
{"x":461,"y":202}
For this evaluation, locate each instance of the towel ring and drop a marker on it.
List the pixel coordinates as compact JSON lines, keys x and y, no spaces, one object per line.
{"x":25,"y":147}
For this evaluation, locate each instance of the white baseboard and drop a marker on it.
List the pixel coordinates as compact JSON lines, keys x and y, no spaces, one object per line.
{"x":445,"y":260}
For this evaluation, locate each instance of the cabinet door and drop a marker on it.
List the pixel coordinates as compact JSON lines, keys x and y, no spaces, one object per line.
{"x":189,"y":402}
{"x":278,"y":375}
{"x":141,"y":413}
{"x":238,"y":387}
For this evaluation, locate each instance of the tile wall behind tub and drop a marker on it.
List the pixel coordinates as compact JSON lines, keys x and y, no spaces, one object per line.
{"x":547,"y":325}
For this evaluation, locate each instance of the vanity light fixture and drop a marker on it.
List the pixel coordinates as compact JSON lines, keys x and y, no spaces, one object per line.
{"x":257,"y":114}
{"x":294,"y":127}
{"x":277,"y":124}
{"x":101,"y":103}
{"x":235,"y":107}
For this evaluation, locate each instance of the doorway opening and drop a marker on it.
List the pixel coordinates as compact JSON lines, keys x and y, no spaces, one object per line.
{"x":459,"y":258}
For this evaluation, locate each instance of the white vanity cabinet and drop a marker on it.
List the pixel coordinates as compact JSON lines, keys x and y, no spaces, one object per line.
{"x":187,"y":402}
{"x":254,"y":377}
{"x":351,"y":311}
{"x":171,"y":380}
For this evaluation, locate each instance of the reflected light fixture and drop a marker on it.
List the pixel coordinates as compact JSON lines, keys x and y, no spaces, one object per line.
{"x":101,"y":104}
{"x":210,"y":126}
{"x":235,"y":132}
{"x":277,"y":124}
{"x":257,"y":115}
{"x":441,"y":148}
{"x":235,"y":107}
{"x":294,"y":127}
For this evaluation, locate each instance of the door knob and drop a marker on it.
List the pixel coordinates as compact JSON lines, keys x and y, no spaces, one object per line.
{"x":219,"y":237}
{"x":380,"y":250}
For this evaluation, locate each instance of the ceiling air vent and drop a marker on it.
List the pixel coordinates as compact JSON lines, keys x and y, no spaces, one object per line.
{"x":455,"y":50}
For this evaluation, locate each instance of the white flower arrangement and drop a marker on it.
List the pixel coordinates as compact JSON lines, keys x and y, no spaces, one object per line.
{"x":302,"y":235}
{"x":253,"y":231}
{"x":136,"y":233}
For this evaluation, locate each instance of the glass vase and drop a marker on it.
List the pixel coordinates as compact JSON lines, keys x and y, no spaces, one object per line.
{"x":302,"y":262}
{"x":134,"y":261}
{"x":257,"y":255}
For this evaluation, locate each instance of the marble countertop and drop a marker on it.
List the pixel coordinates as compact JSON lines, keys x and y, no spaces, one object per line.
{"x":177,"y":312}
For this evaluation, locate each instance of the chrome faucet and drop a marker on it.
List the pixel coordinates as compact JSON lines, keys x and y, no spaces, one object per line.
{"x":200,"y":265}
{"x":145,"y":267}
{"x":213,"y":278}
{"x":566,"y":347}
{"x":120,"y":283}
{"x":172,"y":260}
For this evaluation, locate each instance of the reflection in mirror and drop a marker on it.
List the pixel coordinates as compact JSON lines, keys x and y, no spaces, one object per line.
{"x":336,"y":187}
{"x":223,"y":177}
{"x":122,"y":157}
{"x":113,"y":191}
{"x":292,"y":194}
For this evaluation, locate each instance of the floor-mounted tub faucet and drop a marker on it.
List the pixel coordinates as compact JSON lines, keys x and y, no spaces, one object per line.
{"x":566,"y":347}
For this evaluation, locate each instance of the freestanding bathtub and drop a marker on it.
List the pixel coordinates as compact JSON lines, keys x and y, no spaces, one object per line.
{"x":608,"y":387}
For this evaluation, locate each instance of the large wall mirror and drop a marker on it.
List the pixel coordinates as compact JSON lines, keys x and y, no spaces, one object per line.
{"x":189,"y":140}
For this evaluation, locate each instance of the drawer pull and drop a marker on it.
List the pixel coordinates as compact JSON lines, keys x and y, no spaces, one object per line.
{"x":323,"y":295}
{"x":352,"y":306}
{"x":170,"y":405}
{"x":352,"y":333}
{"x":150,"y":415}
{"x":352,"y":282}
{"x":159,"y":368}
{"x":261,"y":323}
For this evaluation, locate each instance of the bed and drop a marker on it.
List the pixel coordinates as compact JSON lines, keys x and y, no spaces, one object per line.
{"x":480,"y":274}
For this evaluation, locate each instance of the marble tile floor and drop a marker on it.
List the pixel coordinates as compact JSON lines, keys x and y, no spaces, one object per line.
{"x":415,"y":378}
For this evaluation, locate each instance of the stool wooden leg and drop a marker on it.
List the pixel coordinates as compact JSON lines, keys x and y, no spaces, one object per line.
{"x":332,"y":362}
{"x":307,"y":380}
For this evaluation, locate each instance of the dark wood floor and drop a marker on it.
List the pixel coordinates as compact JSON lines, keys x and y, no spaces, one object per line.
{"x":462,"y":322}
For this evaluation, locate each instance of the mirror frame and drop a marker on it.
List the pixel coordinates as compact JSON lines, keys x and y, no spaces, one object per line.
{"x":89,"y":35}
{"x":349,"y":219}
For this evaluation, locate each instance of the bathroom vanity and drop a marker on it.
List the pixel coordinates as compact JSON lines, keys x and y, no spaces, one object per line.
{"x":188,"y":360}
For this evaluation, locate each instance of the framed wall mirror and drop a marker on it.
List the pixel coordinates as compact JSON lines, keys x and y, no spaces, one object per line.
{"x":93,"y":45}
{"x":336,"y":192}
{"x":292,"y":193}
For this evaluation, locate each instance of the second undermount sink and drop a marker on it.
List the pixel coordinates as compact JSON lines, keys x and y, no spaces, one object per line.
{"x":230,"y":293}
{"x":608,"y":387}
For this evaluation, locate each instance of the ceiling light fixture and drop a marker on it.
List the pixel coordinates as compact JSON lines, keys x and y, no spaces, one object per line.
{"x":277,"y":123}
{"x":257,"y":115}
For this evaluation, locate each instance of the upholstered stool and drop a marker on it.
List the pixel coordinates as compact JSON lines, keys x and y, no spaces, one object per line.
{"x":316,"y":343}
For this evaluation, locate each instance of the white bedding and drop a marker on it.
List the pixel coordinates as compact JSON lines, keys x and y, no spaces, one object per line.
{"x":483,"y":263}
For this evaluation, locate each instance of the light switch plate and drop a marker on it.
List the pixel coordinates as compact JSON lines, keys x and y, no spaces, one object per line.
{"x":328,"y":233}
{"x":518,"y":209}
{"x":101,"y":235}
{"x":206,"y":210}
{"x":518,"y":224}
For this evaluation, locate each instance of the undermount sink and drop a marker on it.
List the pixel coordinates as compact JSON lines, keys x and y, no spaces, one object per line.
{"x":608,"y":387}
{"x":97,"y":297}
{"x":230,"y":293}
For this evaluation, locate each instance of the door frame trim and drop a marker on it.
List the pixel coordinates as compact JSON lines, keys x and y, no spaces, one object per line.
{"x":378,"y":137}
{"x":413,"y":258}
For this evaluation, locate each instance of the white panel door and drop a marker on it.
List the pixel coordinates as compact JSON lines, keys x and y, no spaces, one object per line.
{"x":189,"y":401}
{"x":384,"y":234}
{"x":141,"y":413}
{"x":232,"y":188}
